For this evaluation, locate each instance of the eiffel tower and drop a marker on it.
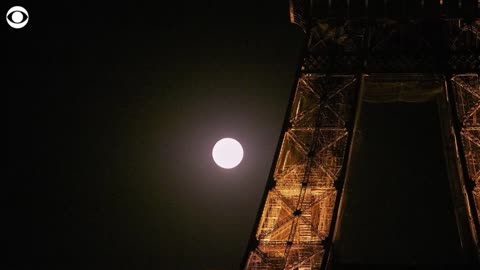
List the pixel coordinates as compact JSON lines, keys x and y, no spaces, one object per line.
{"x":359,"y":55}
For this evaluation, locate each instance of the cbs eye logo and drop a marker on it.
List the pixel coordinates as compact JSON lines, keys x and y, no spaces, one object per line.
{"x":17,"y":17}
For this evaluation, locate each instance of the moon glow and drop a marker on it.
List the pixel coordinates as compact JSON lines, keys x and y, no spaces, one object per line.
{"x":227,"y":153}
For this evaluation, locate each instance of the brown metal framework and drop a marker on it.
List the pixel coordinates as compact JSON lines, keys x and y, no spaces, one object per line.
{"x":296,"y":222}
{"x":298,"y":210}
{"x":466,"y":92}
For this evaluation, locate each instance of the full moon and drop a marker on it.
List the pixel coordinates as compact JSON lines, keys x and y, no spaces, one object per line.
{"x":227,"y":153}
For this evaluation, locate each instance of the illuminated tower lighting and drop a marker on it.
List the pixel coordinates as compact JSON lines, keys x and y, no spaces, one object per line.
{"x":352,"y":48}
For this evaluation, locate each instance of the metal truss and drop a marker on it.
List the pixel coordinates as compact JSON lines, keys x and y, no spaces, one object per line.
{"x":302,"y":10}
{"x":390,"y":46}
{"x":297,"y":213}
{"x":466,"y":90}
{"x":296,"y":222}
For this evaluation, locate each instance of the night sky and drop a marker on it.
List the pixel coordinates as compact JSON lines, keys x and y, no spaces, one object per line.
{"x":398,"y":208}
{"x":111,"y":114}
{"x":112,"y":111}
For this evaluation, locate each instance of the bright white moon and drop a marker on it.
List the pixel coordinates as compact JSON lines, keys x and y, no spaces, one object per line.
{"x":227,"y":153}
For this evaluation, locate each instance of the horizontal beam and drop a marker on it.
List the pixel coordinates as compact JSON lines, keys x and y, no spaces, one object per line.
{"x":302,"y":10}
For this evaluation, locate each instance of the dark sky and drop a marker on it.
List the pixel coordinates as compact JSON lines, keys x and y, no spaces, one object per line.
{"x":111,"y":114}
{"x":398,"y":206}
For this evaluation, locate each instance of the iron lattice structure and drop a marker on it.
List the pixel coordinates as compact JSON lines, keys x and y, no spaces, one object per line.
{"x":345,"y":41}
{"x":466,"y":89}
{"x":298,"y":210}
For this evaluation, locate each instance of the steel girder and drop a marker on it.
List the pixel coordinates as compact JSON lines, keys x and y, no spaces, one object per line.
{"x":297,"y":213}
